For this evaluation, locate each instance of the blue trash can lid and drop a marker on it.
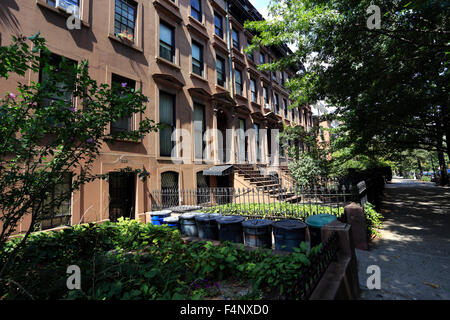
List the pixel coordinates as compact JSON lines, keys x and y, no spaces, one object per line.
{"x":319,"y":220}
{"x":230,"y":219}
{"x":289,"y":224}
{"x":162,"y":213}
{"x":257,"y":223}
{"x":207,"y":217}
{"x":189,"y":215}
{"x":171,"y":220}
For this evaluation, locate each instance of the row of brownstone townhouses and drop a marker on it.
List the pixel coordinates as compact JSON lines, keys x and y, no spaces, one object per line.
{"x":188,"y":57}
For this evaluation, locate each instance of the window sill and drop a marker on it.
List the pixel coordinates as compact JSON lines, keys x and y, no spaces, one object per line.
{"x":127,"y":43}
{"x":63,"y":13}
{"x":172,"y":12}
{"x":196,"y":76}
{"x":241,"y":96}
{"x":221,"y":88}
{"x":167,"y":63}
{"x":167,"y":158}
{"x":196,"y":22}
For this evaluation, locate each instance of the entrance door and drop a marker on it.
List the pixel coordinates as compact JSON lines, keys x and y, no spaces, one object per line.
{"x":121,"y":195}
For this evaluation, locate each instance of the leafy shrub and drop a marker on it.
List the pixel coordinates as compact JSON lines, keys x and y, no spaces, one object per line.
{"x":132,"y":260}
{"x":373,"y":220}
{"x":282,"y":210}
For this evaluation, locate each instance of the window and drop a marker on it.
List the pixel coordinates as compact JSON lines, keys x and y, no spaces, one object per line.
{"x":238,"y":81}
{"x":196,"y":9}
{"x":254,"y":93}
{"x":57,"y":206}
{"x":117,"y":83}
{"x":203,"y":191}
{"x":220,"y":69}
{"x":277,"y":104}
{"x":236,"y":43}
{"x":266,"y":95}
{"x":243,"y":143}
{"x":250,"y":55}
{"x":166,"y":117}
{"x":166,"y":42}
{"x":274,"y":75}
{"x":285,"y":108}
{"x":293,"y":114}
{"x":262,"y":59}
{"x":63,"y":85}
{"x":197,"y":58}
{"x":67,"y":2}
{"x":199,"y":130}
{"x":282,"y":77}
{"x":218,"y":24}
{"x":125,"y":18}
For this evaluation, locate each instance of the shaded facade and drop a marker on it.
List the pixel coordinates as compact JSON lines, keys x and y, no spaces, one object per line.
{"x":188,"y":58}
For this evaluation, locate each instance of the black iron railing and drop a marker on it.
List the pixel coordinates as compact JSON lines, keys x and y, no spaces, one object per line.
{"x":311,"y":275}
{"x":268,"y":202}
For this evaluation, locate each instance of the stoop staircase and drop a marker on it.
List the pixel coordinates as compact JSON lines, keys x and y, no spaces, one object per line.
{"x":270,"y":184}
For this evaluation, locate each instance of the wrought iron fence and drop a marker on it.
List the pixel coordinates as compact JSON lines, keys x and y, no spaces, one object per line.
{"x":267,"y":202}
{"x":311,"y":275}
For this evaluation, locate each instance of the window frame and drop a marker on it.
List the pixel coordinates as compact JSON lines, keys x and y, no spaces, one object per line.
{"x":172,"y":46}
{"x":135,"y":17}
{"x":253,"y":94}
{"x":174,"y":123}
{"x":201,"y":61}
{"x":224,"y":73}
{"x":130,"y":118}
{"x":241,"y":84}
{"x":198,"y":11}
{"x":236,"y":42}
{"x":216,"y":28}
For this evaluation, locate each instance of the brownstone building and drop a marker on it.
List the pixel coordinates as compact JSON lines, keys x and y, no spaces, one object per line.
{"x":187,"y":57}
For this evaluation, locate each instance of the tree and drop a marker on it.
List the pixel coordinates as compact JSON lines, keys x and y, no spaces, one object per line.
{"x":44,"y":139}
{"x":389,"y":85}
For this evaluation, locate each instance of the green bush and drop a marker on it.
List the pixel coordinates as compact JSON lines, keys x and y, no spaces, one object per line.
{"x":281,"y":210}
{"x":373,"y":220}
{"x":131,"y":260}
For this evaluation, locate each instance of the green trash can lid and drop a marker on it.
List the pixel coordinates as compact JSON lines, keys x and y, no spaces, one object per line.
{"x":319,"y":220}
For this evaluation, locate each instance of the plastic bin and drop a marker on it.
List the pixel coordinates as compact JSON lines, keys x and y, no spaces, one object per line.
{"x":158,"y":216}
{"x":288,"y":234}
{"x":315,"y":224}
{"x":258,"y":233}
{"x":207,"y":226}
{"x":230,"y":228}
{"x":172,"y":222}
{"x":188,"y":225}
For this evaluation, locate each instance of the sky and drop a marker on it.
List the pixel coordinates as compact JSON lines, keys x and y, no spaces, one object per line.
{"x":261,"y":5}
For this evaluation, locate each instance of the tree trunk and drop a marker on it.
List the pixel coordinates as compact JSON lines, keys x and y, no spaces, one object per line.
{"x":442,"y":165}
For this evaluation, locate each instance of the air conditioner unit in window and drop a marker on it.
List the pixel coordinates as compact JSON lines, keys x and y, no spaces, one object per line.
{"x":67,"y":6}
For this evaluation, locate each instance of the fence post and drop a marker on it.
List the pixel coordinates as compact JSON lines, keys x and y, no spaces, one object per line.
{"x":341,"y":279}
{"x":355,"y":216}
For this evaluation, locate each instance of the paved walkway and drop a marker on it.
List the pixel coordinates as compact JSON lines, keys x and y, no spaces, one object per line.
{"x":413,"y":251}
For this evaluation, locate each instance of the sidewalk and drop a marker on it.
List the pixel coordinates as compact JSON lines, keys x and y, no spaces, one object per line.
{"x":413,"y":251}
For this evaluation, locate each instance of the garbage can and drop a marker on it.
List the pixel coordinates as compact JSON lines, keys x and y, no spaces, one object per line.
{"x":230,"y":228}
{"x":188,"y":225}
{"x":158,"y":216}
{"x":207,"y":226}
{"x":315,"y":224}
{"x":172,"y":222}
{"x":288,"y":234}
{"x":258,"y":233}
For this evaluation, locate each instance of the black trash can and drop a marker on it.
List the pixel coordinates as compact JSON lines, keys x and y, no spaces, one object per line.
{"x":258,"y":233}
{"x":230,"y":228}
{"x":315,"y":224}
{"x":188,"y":225}
{"x":207,"y":226}
{"x":288,"y":234}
